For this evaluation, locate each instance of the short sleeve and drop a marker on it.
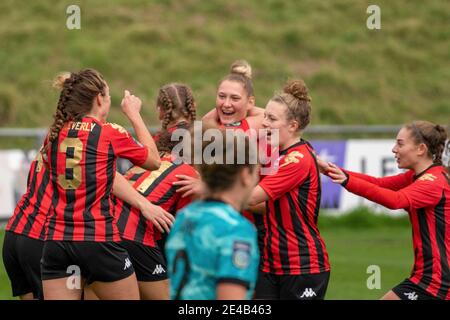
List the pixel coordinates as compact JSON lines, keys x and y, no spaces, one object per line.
{"x":293,"y":170}
{"x":238,"y":257}
{"x":125,"y":146}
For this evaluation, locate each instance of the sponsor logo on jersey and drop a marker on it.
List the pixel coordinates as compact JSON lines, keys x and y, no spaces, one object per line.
{"x":293,"y":157}
{"x":427,"y":177}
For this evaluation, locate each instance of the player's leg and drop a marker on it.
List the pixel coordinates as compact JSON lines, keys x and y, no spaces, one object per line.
{"x":109,"y":271}
{"x":125,"y":289}
{"x":390,"y":296}
{"x":57,"y":289}
{"x":30,"y":254}
{"x":408,"y":290}
{"x":61,"y":275}
{"x":20,"y":286}
{"x":151,"y":271}
{"x":89,"y":293}
{"x":154,"y":290}
{"x":27,"y":296}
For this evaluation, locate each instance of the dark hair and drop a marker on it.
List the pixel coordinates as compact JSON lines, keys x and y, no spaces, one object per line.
{"x":295,"y":97}
{"x":220,"y":176}
{"x":447,"y":152}
{"x":176,"y":100}
{"x":241,"y":72}
{"x":165,"y":143}
{"x":78,"y":91}
{"x":432,"y":135}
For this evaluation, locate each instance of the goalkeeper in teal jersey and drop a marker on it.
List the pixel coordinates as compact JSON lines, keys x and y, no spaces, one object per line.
{"x":212,"y":250}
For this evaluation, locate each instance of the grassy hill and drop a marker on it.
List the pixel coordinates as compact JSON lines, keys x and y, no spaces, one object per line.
{"x":356,"y":75}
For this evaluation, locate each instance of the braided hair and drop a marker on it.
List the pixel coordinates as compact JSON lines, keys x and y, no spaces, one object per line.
{"x":78,"y":91}
{"x":176,"y":101}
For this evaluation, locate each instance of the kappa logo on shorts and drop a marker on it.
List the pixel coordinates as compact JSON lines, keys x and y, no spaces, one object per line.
{"x":241,"y":254}
{"x":158,"y":269}
{"x":127,"y":264}
{"x":411,"y":295}
{"x":308,"y":293}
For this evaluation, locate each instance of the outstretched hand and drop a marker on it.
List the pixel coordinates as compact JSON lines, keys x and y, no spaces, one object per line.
{"x":189,"y":186}
{"x":336,"y":174}
{"x":324,"y":166}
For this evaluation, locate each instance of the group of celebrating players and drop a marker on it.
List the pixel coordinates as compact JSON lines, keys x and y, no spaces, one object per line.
{"x":168,"y":229}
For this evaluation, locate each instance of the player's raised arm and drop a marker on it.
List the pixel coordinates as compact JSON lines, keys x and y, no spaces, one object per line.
{"x":131,"y":107}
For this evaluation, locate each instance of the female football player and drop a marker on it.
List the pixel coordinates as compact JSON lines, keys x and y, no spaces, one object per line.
{"x":424,"y":192}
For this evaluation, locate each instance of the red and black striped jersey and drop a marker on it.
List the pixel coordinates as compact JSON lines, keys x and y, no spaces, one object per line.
{"x":82,"y":164}
{"x":157,"y":186}
{"x":180,"y":125}
{"x":292,"y":244}
{"x":426,"y":197}
{"x":32,"y":209}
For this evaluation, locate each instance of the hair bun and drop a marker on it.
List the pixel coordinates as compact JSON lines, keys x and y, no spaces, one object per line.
{"x":241,"y":67}
{"x":298,"y":89}
{"x":59,"y":81}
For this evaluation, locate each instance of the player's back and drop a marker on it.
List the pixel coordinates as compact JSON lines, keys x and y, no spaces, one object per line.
{"x":210,"y":242}
{"x":82,"y":164}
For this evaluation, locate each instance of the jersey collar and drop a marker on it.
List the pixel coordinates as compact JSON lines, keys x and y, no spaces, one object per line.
{"x":417,"y":176}
{"x":285,"y":151}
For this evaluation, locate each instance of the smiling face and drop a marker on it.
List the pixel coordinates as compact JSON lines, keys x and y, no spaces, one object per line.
{"x":232,"y":102}
{"x":275,"y":119}
{"x":407,"y":152}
